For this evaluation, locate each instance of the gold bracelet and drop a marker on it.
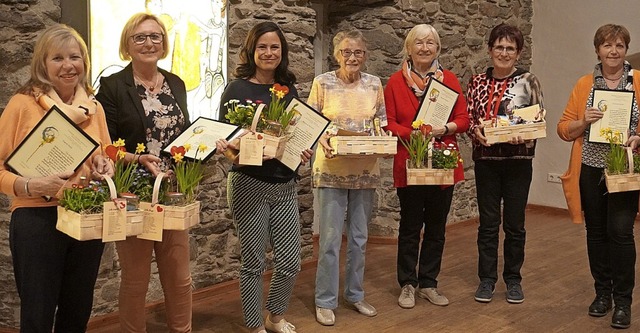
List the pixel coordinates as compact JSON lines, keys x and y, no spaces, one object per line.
{"x":26,"y":187}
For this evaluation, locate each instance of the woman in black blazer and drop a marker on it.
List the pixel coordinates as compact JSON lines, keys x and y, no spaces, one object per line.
{"x":148,"y":105}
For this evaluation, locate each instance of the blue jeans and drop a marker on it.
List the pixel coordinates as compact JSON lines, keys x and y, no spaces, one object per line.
{"x":506,"y":182}
{"x":55,"y":274}
{"x":611,"y":248}
{"x":334,"y":202}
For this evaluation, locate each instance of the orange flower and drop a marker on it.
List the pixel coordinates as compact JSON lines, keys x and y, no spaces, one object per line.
{"x":280,"y":88}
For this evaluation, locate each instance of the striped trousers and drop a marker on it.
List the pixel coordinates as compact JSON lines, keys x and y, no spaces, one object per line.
{"x":265,"y":212}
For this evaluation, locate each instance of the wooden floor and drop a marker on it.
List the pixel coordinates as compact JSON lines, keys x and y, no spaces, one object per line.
{"x":557,"y":286}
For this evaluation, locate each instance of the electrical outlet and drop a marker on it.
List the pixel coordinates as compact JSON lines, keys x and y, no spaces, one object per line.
{"x":553,"y":178}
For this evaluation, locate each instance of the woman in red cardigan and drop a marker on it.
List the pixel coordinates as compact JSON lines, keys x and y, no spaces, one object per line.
{"x":421,"y":205}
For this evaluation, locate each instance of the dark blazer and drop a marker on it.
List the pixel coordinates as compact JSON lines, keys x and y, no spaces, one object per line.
{"x":123,"y":106}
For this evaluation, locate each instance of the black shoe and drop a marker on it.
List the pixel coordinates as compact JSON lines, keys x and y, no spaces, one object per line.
{"x":621,"y":317}
{"x":600,"y":306}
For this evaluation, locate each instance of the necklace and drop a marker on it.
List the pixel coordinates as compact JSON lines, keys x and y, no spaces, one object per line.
{"x":150,"y":88}
{"x":612,"y":80}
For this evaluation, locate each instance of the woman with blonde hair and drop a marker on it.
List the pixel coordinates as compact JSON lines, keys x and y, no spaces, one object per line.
{"x":55,"y":274}
{"x":146,"y":104}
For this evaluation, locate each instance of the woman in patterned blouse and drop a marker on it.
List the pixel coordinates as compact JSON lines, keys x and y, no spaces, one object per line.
{"x":503,"y":170}
{"x":608,"y":217}
{"x":146,"y":104}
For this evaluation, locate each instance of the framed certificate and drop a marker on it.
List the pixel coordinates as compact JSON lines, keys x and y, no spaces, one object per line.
{"x":203,"y":131}
{"x":437,"y":104}
{"x":616,"y":108}
{"x":305,"y":129}
{"x":56,"y":144}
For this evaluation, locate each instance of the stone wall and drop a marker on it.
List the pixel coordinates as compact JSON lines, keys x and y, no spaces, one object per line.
{"x":215,"y":252}
{"x":462,"y":25}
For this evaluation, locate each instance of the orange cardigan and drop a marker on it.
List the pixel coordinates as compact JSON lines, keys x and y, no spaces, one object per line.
{"x":574,"y":111}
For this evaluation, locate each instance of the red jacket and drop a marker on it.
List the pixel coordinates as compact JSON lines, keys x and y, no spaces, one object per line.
{"x":402,"y":106}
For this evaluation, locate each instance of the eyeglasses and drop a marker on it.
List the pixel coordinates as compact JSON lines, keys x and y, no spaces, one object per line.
{"x":499,"y":49}
{"x":347,"y":53}
{"x":140,"y":39}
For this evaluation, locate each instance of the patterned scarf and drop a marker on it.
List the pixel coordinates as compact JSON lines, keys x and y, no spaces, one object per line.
{"x":81,"y":109}
{"x":415,"y":81}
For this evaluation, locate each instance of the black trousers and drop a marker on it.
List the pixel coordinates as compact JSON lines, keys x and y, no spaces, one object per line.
{"x":428,"y":206}
{"x":52,"y":270}
{"x":609,"y":219}
{"x":503,"y":182}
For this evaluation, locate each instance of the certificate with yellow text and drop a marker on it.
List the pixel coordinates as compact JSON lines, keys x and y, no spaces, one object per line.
{"x":55,"y":145}
{"x":437,"y":104}
{"x":616,"y":108}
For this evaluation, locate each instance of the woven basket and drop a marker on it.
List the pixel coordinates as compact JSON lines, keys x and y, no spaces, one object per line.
{"x":89,"y":226}
{"x":623,"y":182}
{"x":381,"y":146}
{"x":428,"y":176}
{"x":526,"y":131}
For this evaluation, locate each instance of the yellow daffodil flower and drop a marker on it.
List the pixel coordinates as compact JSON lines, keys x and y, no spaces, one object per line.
{"x":140,"y":148}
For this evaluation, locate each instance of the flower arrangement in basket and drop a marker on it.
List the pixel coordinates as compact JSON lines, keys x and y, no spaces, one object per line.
{"x":273,"y":120}
{"x":430,"y":162}
{"x":80,"y":209}
{"x":124,"y":176}
{"x":180,"y":208}
{"x":124,"y":173}
{"x":188,"y":173}
{"x":622,"y":170}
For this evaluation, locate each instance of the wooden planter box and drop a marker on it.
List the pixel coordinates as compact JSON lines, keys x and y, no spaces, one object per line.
{"x":364,"y":145}
{"x":427,"y":176}
{"x":505,"y":133}
{"x":79,"y":226}
{"x":181,"y":217}
{"x":623,"y":182}
{"x":274,"y":145}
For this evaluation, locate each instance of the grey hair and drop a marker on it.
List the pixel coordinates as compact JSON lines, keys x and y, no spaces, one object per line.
{"x":418,"y":32}
{"x":354,"y":34}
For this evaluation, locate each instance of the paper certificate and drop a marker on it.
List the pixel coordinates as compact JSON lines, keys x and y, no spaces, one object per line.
{"x":437,"y":104}
{"x":616,"y":107}
{"x":306,"y":128}
{"x":203,"y":131}
{"x":54,"y":145}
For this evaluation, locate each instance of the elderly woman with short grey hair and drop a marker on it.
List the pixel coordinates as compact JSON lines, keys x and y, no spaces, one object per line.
{"x":352,"y":100}
{"x":422,"y":207}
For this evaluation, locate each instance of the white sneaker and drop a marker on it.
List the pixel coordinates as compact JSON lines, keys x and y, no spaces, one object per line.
{"x":433,"y":296}
{"x":282,"y":326}
{"x":325,"y":316}
{"x":407,"y":299}
{"x":364,"y":308}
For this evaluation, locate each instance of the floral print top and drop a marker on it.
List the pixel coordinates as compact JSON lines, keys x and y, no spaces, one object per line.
{"x":164,"y":118}
{"x":352,"y":107}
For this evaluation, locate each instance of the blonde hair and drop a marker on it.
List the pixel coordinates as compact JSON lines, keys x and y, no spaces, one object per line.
{"x":131,"y":25}
{"x":420,"y":31}
{"x":351,"y":34}
{"x":58,"y":36}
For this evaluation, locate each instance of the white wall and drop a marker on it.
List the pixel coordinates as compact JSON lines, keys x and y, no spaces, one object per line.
{"x":562,"y":52}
